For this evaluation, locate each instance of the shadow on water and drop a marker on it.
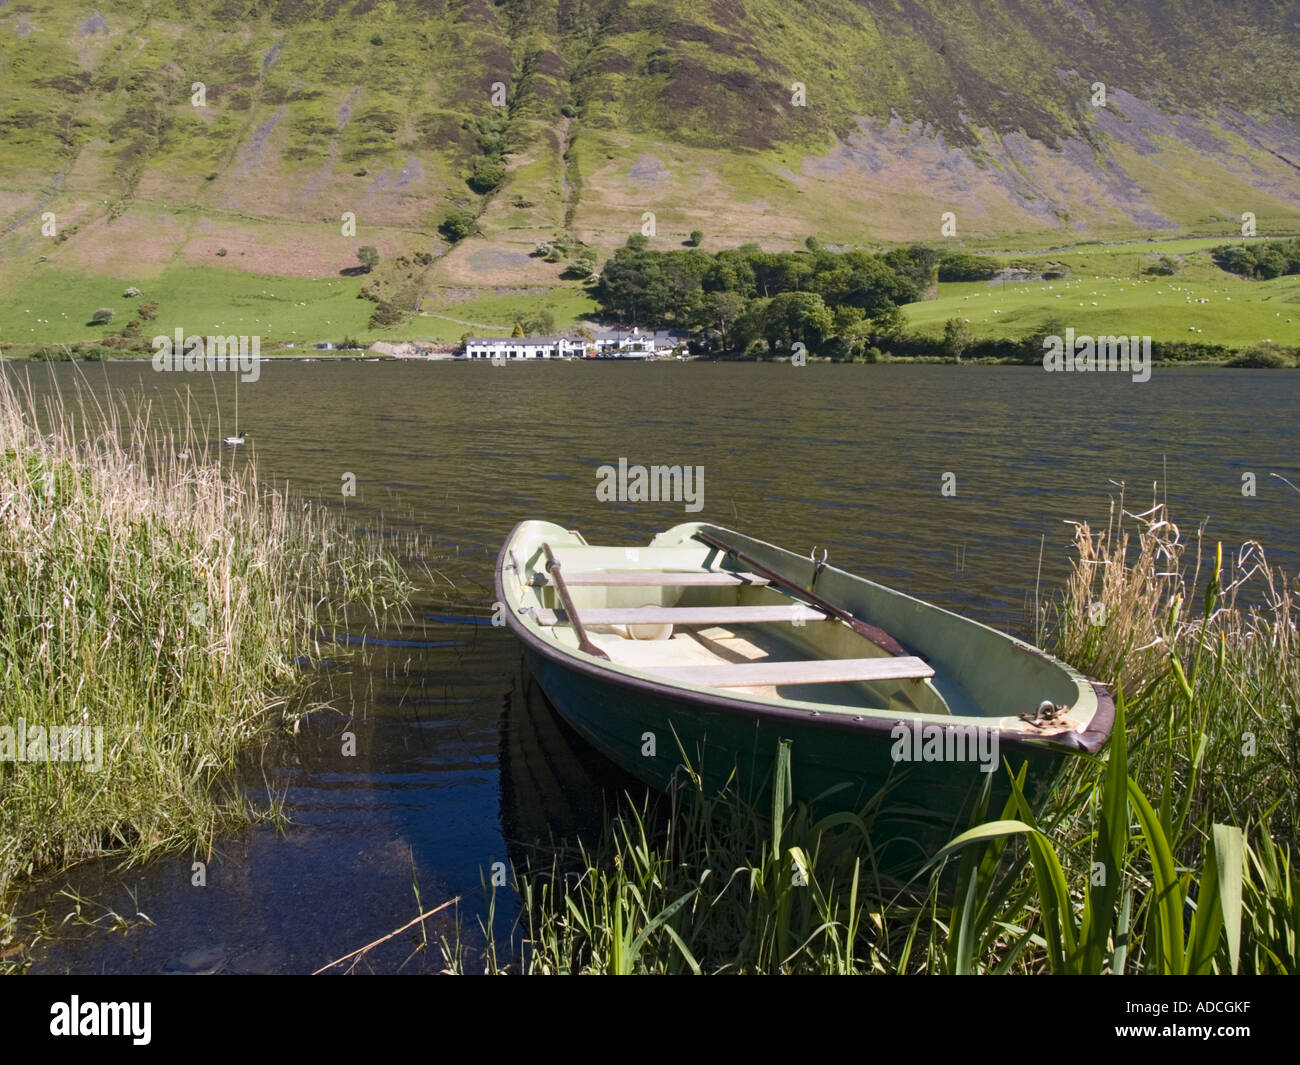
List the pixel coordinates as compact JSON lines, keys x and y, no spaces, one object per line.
{"x":555,"y":787}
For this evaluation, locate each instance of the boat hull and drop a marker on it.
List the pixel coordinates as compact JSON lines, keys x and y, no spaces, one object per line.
{"x":652,"y":736}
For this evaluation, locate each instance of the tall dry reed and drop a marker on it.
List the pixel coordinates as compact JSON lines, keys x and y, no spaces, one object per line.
{"x":154,"y":591}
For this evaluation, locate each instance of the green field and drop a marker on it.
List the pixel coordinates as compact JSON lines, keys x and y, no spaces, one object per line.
{"x":55,"y":306}
{"x":444,"y":318}
{"x":1109,"y":294}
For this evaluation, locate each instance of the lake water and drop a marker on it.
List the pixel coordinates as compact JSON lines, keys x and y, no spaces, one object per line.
{"x":458,"y":762}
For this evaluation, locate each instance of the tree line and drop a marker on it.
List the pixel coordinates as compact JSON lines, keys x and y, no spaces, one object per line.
{"x":1273,"y":258}
{"x":747,"y":300}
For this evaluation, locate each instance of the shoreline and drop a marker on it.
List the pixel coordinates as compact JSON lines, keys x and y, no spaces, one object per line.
{"x":888,"y":360}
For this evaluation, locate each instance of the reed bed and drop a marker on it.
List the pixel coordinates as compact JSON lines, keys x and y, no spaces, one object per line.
{"x":154,"y":589}
{"x":1214,"y":678}
{"x":1174,"y":852}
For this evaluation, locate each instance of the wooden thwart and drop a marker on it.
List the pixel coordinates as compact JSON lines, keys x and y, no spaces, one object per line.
{"x":660,"y":579}
{"x":821,"y":671}
{"x":683,"y":615}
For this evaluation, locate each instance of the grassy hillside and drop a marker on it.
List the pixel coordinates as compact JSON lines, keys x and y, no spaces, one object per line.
{"x":1109,"y":293}
{"x":612,"y":109}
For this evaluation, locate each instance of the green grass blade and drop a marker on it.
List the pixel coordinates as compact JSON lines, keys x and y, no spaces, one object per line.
{"x":1112,"y":845}
{"x":1122,"y":931}
{"x":1230,"y":861}
{"x":1168,"y":909}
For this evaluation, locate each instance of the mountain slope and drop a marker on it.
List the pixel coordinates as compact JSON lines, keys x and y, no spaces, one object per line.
{"x":615,"y":108}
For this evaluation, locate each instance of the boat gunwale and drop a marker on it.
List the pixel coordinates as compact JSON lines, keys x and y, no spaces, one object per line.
{"x":1089,"y":740}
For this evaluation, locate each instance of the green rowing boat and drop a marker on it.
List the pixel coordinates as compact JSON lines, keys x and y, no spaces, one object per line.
{"x":708,"y":648}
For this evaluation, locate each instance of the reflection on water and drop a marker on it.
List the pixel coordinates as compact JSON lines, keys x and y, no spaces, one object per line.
{"x":458,"y":763}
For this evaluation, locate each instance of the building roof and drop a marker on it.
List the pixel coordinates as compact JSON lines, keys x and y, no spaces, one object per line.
{"x":517,"y":340}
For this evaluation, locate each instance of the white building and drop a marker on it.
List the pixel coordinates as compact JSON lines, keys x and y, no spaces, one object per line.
{"x":636,"y":345}
{"x":536,"y":347}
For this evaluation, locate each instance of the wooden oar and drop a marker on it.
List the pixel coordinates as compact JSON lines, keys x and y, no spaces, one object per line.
{"x":584,"y":644}
{"x":878,"y":636}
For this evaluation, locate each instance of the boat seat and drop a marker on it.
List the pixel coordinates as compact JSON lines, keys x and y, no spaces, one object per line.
{"x":682,"y":615}
{"x":816,"y":671}
{"x":655,"y":578}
